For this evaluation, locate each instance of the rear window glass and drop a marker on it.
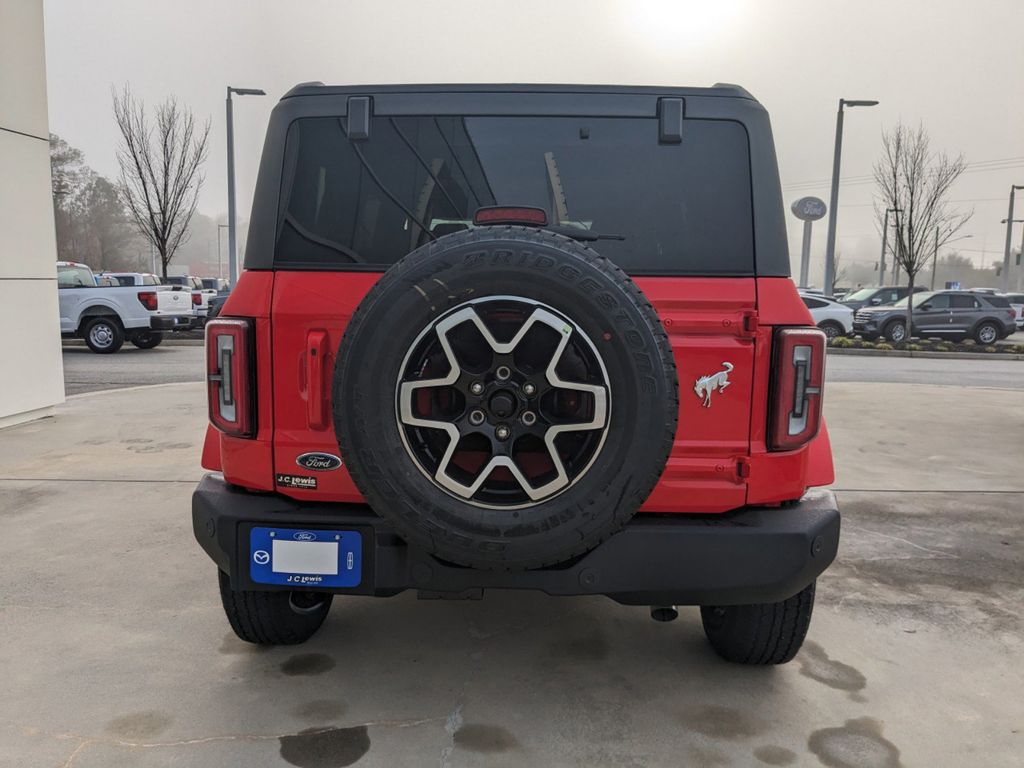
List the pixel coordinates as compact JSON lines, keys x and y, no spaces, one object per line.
{"x":996,"y":301}
{"x":679,"y":208}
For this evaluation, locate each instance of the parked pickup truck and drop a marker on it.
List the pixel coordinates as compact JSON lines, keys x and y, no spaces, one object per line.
{"x":201,"y":295}
{"x":106,"y":316}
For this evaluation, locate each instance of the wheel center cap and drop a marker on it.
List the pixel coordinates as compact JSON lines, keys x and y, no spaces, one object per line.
{"x":502,"y":404}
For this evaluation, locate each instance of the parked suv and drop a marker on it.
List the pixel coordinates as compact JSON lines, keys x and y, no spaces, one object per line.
{"x":518,"y":337}
{"x":875,"y":297}
{"x":953,"y":315}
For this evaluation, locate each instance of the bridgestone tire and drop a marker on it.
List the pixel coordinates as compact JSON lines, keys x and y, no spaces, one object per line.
{"x":273,"y":618}
{"x":765,"y":633}
{"x":147,"y":339}
{"x":608,"y":309}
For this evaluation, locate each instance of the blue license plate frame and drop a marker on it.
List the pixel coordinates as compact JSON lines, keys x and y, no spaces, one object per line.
{"x":305,"y":557}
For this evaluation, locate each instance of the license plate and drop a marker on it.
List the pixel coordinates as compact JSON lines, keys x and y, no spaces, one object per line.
{"x":298,"y":557}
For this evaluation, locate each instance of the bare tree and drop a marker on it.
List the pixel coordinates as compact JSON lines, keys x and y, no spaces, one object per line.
{"x":915,"y":181}
{"x":839,"y":272}
{"x":160,"y":169}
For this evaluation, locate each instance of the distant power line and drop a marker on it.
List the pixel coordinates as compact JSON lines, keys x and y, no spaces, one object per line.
{"x":979,"y":166}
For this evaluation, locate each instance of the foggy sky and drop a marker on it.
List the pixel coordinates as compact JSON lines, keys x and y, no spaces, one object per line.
{"x":956,"y":66}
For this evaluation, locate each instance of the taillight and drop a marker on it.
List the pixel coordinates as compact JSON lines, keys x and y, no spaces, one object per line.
{"x":197,"y":299}
{"x":503,"y":214}
{"x":798,"y":371}
{"x":229,"y":376}
{"x":148,"y":299}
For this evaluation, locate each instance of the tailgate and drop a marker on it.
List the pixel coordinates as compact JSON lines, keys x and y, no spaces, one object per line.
{"x":171,"y":302}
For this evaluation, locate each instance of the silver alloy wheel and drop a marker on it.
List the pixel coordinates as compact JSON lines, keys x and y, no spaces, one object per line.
{"x":987,"y":334}
{"x":898,"y":332}
{"x":101,"y":335}
{"x":438,"y":415}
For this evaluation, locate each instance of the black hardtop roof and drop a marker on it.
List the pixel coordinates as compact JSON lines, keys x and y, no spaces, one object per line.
{"x":316,"y":88}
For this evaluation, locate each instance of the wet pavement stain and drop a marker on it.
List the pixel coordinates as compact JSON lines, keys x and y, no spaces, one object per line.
{"x":325,"y":747}
{"x":480,"y":737}
{"x":773,"y":755}
{"x":139,"y":725}
{"x":721,"y":722}
{"x":858,"y":744}
{"x":320,"y":710}
{"x":307,"y":664}
{"x":816,"y":664}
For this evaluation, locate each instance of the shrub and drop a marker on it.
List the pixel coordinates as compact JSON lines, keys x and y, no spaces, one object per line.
{"x":883,"y":345}
{"x":914,"y":348}
{"x":843,"y":342}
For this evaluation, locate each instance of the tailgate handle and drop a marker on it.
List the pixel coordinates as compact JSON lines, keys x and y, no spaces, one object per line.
{"x":316,"y":394}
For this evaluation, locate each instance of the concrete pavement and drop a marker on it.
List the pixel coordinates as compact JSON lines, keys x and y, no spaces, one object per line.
{"x":116,"y":651}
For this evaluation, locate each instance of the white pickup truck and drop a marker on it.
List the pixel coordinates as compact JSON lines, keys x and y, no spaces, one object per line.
{"x":105,"y":316}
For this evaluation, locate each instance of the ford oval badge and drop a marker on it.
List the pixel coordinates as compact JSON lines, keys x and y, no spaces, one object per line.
{"x":318,"y":462}
{"x":304,"y":536}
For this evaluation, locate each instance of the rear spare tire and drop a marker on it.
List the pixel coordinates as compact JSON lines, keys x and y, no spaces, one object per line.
{"x":505,"y":397}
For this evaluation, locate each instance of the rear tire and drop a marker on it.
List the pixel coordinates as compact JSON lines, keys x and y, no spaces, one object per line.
{"x":273,"y":618}
{"x":832,"y":329}
{"x":764,"y":633}
{"x":103,"y":335}
{"x":987,"y":333}
{"x":147,"y":339}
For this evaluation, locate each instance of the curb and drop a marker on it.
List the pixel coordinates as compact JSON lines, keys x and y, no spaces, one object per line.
{"x":165,"y":343}
{"x":931,"y":355}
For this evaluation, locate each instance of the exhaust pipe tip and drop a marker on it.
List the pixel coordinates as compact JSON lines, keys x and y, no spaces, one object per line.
{"x":664,"y":613}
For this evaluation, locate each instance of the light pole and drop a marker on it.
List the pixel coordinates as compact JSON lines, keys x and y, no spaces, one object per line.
{"x":220,"y":266}
{"x":830,"y":244}
{"x":1009,"y":234}
{"x":885,"y":242}
{"x":232,"y":261}
{"x":935,"y":253}
{"x":1020,"y":254}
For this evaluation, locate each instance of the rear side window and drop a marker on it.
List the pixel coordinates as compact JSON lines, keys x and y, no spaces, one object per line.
{"x":996,"y":301}
{"x":959,"y":301}
{"x":679,"y":208}
{"x":814,"y":303}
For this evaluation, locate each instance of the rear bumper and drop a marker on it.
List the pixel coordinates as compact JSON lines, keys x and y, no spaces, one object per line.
{"x":752,"y":555}
{"x":170,"y":322}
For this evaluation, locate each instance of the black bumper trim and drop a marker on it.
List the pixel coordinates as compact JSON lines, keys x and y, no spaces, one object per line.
{"x":169,"y":322}
{"x":751,"y":555}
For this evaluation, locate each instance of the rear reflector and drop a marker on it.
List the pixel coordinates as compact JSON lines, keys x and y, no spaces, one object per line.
{"x":148,"y":300}
{"x":501,"y":215}
{"x":229,"y":376}
{"x":798,"y":375}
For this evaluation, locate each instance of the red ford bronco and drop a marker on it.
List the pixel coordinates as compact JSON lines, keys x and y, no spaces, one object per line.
{"x":518,"y":337}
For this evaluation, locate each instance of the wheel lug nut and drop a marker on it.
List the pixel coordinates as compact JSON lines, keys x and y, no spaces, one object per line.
{"x":502,"y":432}
{"x":476,"y":387}
{"x":529,"y":389}
{"x":503,"y":372}
{"x":476,"y":417}
{"x":529,"y":418}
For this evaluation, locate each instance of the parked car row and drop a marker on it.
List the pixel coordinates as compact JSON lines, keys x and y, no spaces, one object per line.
{"x":109,"y":308}
{"x":984,"y":315}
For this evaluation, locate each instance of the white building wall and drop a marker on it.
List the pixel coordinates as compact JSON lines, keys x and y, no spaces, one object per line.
{"x":31,"y":373}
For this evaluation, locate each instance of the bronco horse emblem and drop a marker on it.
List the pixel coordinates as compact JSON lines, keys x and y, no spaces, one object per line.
{"x":707,"y":384}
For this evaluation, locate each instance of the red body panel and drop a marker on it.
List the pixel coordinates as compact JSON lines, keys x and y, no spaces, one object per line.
{"x":719,"y":460}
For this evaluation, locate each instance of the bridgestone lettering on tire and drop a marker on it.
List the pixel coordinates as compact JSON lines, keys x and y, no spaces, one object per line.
{"x":505,"y":397}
